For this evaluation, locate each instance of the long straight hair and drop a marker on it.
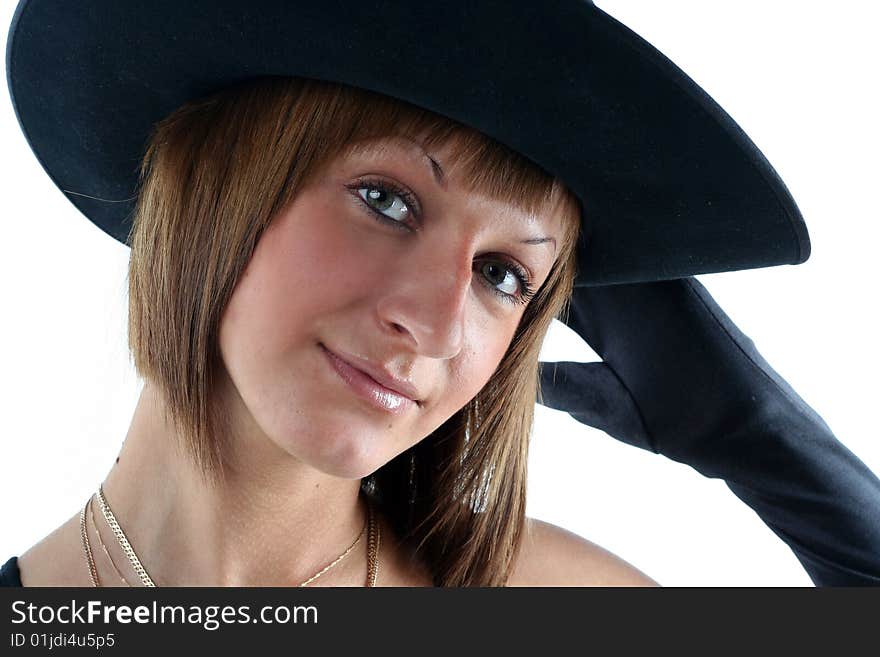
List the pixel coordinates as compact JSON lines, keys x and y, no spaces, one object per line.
{"x":215,"y":173}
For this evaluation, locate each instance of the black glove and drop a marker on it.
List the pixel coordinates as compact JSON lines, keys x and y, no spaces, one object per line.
{"x":680,"y":379}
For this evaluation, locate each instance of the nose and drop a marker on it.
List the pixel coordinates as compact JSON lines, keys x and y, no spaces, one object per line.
{"x":425,"y":299}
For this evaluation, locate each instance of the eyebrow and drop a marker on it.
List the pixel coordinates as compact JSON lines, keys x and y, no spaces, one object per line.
{"x":375,"y":145}
{"x":539,"y":240}
{"x":436,"y":169}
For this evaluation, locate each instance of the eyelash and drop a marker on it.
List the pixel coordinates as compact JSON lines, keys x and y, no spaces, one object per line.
{"x":526,"y":291}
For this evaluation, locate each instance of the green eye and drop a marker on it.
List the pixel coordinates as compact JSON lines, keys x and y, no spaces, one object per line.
{"x":507,"y":275}
{"x":386,"y":202}
{"x":510,"y":274}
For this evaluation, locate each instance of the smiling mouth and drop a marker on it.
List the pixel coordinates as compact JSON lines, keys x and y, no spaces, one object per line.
{"x":367,"y":388}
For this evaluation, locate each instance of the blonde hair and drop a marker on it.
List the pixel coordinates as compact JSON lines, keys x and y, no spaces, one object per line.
{"x":215,"y":173}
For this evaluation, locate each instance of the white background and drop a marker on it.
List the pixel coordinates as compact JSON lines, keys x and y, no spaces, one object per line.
{"x":799,"y":77}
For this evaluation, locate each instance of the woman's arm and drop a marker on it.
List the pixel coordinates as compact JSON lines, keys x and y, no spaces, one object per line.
{"x":680,"y":379}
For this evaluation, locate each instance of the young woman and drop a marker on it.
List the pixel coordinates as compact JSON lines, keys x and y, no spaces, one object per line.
{"x":337,"y":297}
{"x":326,"y":322}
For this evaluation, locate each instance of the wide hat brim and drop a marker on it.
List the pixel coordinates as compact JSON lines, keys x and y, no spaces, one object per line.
{"x":670,"y":185}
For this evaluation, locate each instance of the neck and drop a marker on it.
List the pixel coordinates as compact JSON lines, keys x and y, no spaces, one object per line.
{"x":273,"y":521}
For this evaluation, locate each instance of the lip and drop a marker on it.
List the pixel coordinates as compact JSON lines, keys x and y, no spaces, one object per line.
{"x":384,"y":392}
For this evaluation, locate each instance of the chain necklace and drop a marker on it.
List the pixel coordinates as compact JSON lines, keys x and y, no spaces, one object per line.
{"x":87,"y":549}
{"x":91,"y":514}
{"x":370,"y":526}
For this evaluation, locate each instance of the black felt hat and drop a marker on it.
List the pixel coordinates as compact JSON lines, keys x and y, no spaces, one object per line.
{"x":670,"y":185}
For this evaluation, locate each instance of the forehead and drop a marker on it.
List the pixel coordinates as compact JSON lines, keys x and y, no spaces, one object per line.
{"x":412,"y":148}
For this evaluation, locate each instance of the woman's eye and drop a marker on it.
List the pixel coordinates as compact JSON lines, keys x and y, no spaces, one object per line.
{"x":387,"y":202}
{"x":499,"y":276}
{"x":516,"y":282}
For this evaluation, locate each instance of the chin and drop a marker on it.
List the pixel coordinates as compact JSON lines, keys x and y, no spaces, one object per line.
{"x":345,"y":468}
{"x":346,"y":458}
{"x":352,"y":472}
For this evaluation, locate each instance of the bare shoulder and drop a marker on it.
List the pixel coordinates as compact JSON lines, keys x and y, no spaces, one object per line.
{"x":57,"y":560}
{"x":552,"y":556}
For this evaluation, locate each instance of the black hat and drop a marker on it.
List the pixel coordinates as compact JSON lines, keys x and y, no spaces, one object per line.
{"x":670,"y":185}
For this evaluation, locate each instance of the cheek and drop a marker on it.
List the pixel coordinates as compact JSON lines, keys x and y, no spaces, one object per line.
{"x":304,"y":266}
{"x":273,"y":316}
{"x":473,"y":368}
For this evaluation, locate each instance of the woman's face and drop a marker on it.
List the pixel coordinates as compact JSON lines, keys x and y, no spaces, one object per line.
{"x":384,"y":263}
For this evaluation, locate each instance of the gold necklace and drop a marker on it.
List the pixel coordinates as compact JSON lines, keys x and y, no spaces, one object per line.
{"x":122,"y":539}
{"x":370,"y":526}
{"x":91,"y":514}
{"x":87,"y":548}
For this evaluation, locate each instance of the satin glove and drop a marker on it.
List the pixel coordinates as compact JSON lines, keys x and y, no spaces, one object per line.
{"x":680,"y":379}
